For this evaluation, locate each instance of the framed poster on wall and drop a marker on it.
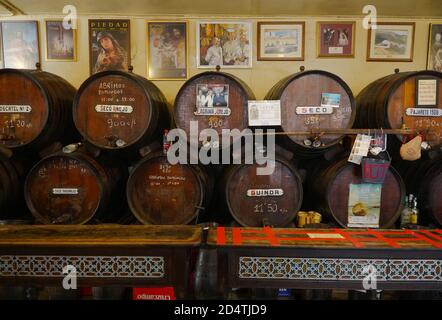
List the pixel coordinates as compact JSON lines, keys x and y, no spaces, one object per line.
{"x":335,"y":39}
{"x":227,"y":44}
{"x":167,"y":50}
{"x":60,"y":42}
{"x":391,"y":42}
{"x":434,"y":60}
{"x":281,"y":41}
{"x":20,"y":44}
{"x":109,"y":45}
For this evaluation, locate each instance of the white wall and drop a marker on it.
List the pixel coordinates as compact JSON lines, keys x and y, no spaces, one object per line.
{"x":357,"y":72}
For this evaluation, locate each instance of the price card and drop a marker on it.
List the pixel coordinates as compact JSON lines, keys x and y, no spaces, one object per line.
{"x":360,"y":148}
{"x":264,"y":112}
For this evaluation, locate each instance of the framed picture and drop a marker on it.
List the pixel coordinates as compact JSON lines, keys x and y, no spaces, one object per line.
{"x":281,"y":41}
{"x":167,"y":50}
{"x":335,"y":39}
{"x":227,"y":44}
{"x":434,"y":60}
{"x":391,"y":42}
{"x":21,"y":48}
{"x":60,"y":42}
{"x":109,"y":45}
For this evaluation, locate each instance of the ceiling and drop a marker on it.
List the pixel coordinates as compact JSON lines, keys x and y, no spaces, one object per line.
{"x":385,"y":8}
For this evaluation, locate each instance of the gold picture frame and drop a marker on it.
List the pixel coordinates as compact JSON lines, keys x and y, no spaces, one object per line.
{"x":335,"y":42}
{"x":281,"y":26}
{"x":74,"y":42}
{"x":166,"y":27}
{"x":393,"y":34}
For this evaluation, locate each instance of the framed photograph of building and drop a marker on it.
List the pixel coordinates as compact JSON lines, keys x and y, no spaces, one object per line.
{"x":20,"y":44}
{"x":109,"y":45}
{"x":227,"y":44}
{"x":391,"y":41}
{"x":60,"y":42}
{"x":335,"y":39}
{"x":281,"y":41}
{"x":167,"y":50}
{"x":434,"y":60}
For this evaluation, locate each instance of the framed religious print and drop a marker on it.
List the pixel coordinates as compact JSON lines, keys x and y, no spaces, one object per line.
{"x":434,"y":60}
{"x":280,"y":41}
{"x":109,"y":45}
{"x":167,"y":50}
{"x":335,"y":39}
{"x":227,"y":44}
{"x":391,"y":42}
{"x":20,"y":44}
{"x":60,"y":42}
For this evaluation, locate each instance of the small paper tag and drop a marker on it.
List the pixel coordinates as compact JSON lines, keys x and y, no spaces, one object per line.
{"x":360,"y":148}
{"x":330,"y":100}
{"x":264,"y":112}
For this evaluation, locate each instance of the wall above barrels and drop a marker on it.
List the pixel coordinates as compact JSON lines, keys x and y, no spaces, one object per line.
{"x":356,"y":72}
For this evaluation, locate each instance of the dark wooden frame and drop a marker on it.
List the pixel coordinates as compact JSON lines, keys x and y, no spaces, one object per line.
{"x":318,"y":39}
{"x":261,"y":23}
{"x":74,"y":34}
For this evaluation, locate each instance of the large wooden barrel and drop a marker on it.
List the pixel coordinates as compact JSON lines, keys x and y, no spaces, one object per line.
{"x":328,"y":192}
{"x":161,"y":193}
{"x":35,"y":110}
{"x":256,"y":200}
{"x":116,"y":110}
{"x":397,"y":99}
{"x":75,"y":188}
{"x":229,"y":110}
{"x":313,"y":100}
{"x":423,"y":178}
{"x":12,"y":175}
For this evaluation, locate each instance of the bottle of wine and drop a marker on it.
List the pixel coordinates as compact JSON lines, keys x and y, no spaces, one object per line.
{"x":405,"y":214}
{"x":414,"y":212}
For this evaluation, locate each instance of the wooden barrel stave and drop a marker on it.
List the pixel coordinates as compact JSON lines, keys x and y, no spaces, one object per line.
{"x":142,"y":122}
{"x":75,"y":188}
{"x":50,"y":119}
{"x":161,"y":193}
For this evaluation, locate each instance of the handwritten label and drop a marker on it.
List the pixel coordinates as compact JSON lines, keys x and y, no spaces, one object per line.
{"x":68,"y":191}
{"x":424,"y":112}
{"x":265,"y":192}
{"x":314,"y":110}
{"x":13,"y":108}
{"x":264,"y":112}
{"x":110,"y":108}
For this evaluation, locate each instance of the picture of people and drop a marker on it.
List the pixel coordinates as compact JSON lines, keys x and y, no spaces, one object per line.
{"x":167,"y":50}
{"x":283,"y":41}
{"x":225,"y":44}
{"x":109,"y":45}
{"x":336,"y":39}
{"x":60,"y":42}
{"x":435,"y":48}
{"x":20,"y":44}
{"x":212,"y":95}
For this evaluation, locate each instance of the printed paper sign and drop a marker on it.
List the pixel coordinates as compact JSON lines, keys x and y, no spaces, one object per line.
{"x":335,"y":50}
{"x":364,"y":205}
{"x":264,"y":112}
{"x":426,"y":92}
{"x":360,"y":148}
{"x":330,"y":100}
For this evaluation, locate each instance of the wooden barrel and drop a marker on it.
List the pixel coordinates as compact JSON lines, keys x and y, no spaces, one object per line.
{"x":161,"y":193}
{"x":409,"y":98}
{"x":116,"y":110}
{"x":256,"y":200}
{"x":228,"y":110}
{"x":313,"y":100}
{"x":74,"y":188}
{"x":423,"y":178}
{"x":328,"y":185}
{"x":12,"y":173}
{"x":35,"y":110}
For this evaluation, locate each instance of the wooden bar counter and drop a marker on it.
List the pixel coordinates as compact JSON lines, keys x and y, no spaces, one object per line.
{"x":103,"y":255}
{"x":329,"y":258}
